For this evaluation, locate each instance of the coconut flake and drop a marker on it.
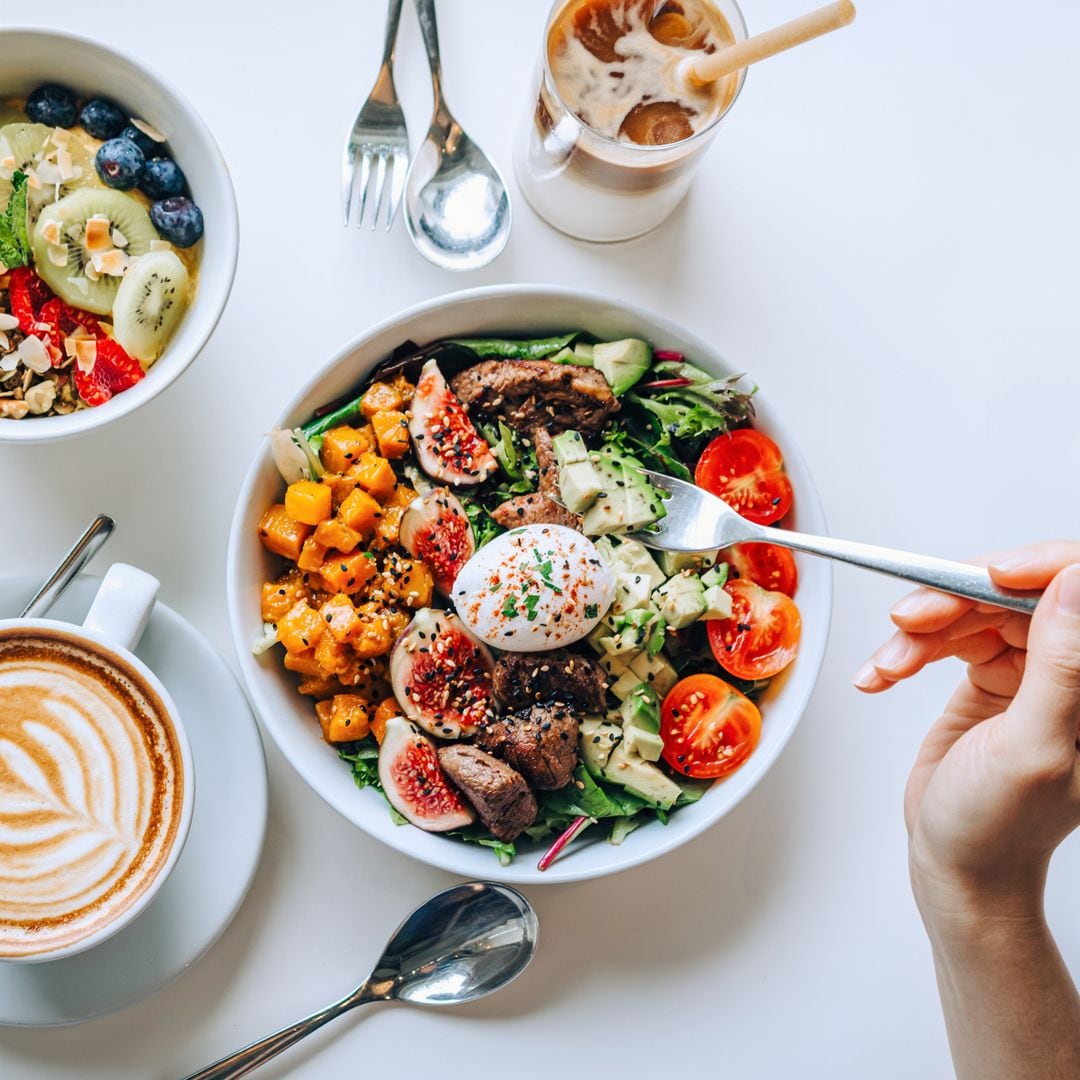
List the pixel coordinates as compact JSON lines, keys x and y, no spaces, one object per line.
{"x":160,"y":245}
{"x":97,"y":233}
{"x":91,"y":272}
{"x":112,"y":262}
{"x":148,"y":129}
{"x":8,"y":322}
{"x":118,"y":238}
{"x":50,"y":232}
{"x":50,"y":174}
{"x":9,"y":362}
{"x":34,"y":355}
{"x":60,"y":136}
{"x":58,"y":254}
{"x":86,"y":354}
{"x":65,"y":163}
{"x":33,"y":180}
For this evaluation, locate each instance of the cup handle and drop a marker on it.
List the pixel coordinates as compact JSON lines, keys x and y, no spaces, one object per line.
{"x":122,"y":606}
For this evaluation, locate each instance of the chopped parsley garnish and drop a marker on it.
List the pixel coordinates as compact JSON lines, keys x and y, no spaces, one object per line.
{"x":530,"y":606}
{"x":592,"y":611}
{"x":509,"y":609}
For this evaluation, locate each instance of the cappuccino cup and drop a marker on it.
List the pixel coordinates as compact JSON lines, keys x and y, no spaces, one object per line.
{"x":96,"y":778}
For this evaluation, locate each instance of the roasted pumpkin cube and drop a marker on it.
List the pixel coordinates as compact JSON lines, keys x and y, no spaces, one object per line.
{"x":378,"y":397}
{"x":405,"y":388}
{"x":281,"y":533}
{"x":391,"y":433}
{"x":344,"y":445}
{"x":320,"y":687}
{"x":388,"y":708}
{"x":312,"y":555}
{"x":340,"y":617}
{"x":388,"y":530}
{"x":348,"y":573}
{"x":402,"y":496}
{"x":336,"y":535}
{"x":279,"y":597}
{"x":345,"y":720}
{"x":304,"y":663}
{"x":396,"y":620}
{"x":300,"y":628}
{"x":371,"y":678}
{"x":360,"y":512}
{"x":308,"y":501}
{"x":376,"y":475}
{"x":405,"y":581}
{"x":376,"y":638}
{"x":335,"y":657}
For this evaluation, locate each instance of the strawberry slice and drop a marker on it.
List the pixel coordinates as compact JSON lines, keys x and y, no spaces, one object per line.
{"x":27,"y":295}
{"x":113,"y":371}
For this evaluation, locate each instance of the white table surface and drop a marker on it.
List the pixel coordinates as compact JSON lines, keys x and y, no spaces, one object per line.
{"x":885,"y":235}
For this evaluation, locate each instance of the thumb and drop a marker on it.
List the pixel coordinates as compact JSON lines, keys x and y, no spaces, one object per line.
{"x":1049,"y":696}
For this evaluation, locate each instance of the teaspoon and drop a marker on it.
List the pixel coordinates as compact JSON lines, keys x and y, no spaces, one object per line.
{"x":83,"y":550}
{"x":461,"y":945}
{"x":456,"y":205}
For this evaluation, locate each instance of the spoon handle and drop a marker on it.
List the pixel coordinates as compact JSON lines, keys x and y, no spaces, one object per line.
{"x":425,"y":10}
{"x":83,"y":550}
{"x":258,"y":1053}
{"x":960,"y":579}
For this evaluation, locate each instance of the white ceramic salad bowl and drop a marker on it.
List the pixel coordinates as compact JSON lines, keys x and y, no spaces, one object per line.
{"x":528,"y":311}
{"x":30,"y":57}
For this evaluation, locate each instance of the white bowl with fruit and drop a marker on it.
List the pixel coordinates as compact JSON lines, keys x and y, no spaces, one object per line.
{"x":398,"y":544}
{"x":118,"y":235}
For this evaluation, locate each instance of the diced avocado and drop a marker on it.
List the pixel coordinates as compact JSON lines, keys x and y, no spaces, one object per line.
{"x":643,"y":502}
{"x":597,"y":635}
{"x":641,"y":777}
{"x":615,"y":664}
{"x":646,"y":744}
{"x":606,"y":515}
{"x":636,"y":558}
{"x":716,"y":575}
{"x":584,"y":352}
{"x":625,"y":684}
{"x":596,"y":739}
{"x":579,"y":484}
{"x":672,"y":562}
{"x":608,"y":553}
{"x":632,"y":590}
{"x":654,"y":670}
{"x":623,"y":643}
{"x":717,"y":603}
{"x":649,"y":627}
{"x":623,"y":362}
{"x":681,"y":600}
{"x":569,"y":447}
{"x":641,"y":708}
{"x":565,"y":356}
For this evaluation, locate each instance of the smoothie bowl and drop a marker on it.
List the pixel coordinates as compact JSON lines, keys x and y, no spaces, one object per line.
{"x":118,"y":235}
{"x":444,"y":624}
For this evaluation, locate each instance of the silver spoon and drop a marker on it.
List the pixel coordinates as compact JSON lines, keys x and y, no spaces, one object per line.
{"x":456,"y":205}
{"x":84,"y":549}
{"x":461,"y":945}
{"x":697,"y":520}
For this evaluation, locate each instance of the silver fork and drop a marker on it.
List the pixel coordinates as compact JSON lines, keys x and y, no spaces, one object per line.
{"x":379,"y":140}
{"x":698,"y":521}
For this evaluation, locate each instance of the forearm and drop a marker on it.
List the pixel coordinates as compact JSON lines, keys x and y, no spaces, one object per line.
{"x":1011,"y":1008}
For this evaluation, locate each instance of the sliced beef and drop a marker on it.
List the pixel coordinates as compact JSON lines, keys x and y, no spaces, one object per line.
{"x":547,"y":463}
{"x":524,"y":679}
{"x":535,"y":509}
{"x":540,"y":742}
{"x":500,"y":795}
{"x":532,"y":394}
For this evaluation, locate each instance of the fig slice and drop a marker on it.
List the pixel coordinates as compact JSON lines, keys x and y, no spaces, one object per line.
{"x":413,"y":780}
{"x":441,"y":675}
{"x":447,"y":444}
{"x":436,"y":529}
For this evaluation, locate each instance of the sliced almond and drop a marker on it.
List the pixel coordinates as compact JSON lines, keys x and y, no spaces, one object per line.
{"x":86,"y":354}
{"x":8,"y":322}
{"x":58,"y":254}
{"x":60,"y":136}
{"x":5,"y":342}
{"x":91,"y":271}
{"x":39,"y":398}
{"x":148,"y":129}
{"x":9,"y":362}
{"x":119,"y":239}
{"x":50,"y":174}
{"x":66,"y":164}
{"x":97,"y":233}
{"x":34,"y":355}
{"x":50,"y":232}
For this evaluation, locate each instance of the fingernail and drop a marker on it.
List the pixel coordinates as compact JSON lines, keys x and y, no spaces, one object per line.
{"x":1013,"y":564}
{"x":1069,"y":590}
{"x":865,"y":677}
{"x":891,"y":653}
{"x":908,"y":605}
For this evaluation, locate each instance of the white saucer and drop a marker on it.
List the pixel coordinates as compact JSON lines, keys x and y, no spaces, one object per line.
{"x":215,"y":869}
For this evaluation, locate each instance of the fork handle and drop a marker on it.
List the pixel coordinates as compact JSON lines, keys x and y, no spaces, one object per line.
{"x":960,"y":579}
{"x":393,"y":18}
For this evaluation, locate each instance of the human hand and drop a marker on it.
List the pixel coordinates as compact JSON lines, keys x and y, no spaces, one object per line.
{"x":996,"y":785}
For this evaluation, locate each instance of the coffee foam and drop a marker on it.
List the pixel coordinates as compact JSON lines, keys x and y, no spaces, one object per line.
{"x":646,"y":69}
{"x":91,"y":789}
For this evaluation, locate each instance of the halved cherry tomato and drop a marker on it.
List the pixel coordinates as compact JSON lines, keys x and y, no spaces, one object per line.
{"x":709,"y":729}
{"x":767,"y":565}
{"x":762,"y":636}
{"x":746,"y":469}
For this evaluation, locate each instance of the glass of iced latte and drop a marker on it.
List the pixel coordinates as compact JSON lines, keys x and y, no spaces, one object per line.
{"x":614,"y":132}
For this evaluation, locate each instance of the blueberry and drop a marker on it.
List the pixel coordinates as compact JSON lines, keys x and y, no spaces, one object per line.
{"x":178,"y":220}
{"x":119,"y":163}
{"x":149,"y":147}
{"x":162,"y":178}
{"x":53,"y":105}
{"x":102,"y":118}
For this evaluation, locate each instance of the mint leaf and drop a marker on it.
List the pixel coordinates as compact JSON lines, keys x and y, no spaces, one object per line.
{"x":14,"y":242}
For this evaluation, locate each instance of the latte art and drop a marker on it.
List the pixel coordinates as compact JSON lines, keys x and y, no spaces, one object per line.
{"x":91,"y":790}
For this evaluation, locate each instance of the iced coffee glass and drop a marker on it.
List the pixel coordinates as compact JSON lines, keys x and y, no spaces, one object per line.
{"x":613,"y":134}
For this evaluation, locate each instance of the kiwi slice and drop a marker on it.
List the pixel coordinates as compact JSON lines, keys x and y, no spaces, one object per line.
{"x":151,"y":300}
{"x":30,"y":145}
{"x":70,"y":281}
